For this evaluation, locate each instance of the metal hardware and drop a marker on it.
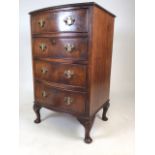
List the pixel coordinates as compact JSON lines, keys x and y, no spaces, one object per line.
{"x":53,"y":41}
{"x":68,"y":73}
{"x":41,"y":23}
{"x":43,"y":93}
{"x":69,"y":48}
{"x":69,"y":20}
{"x":44,"y":70}
{"x":42,"y":46}
{"x":68,"y":100}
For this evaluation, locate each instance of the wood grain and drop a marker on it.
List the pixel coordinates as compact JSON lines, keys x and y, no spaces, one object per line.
{"x":100,"y":59}
{"x":77,"y":82}
{"x":55,"y":48}
{"x":55,"y":72}
{"x":54,"y":21}
{"x":55,"y":98}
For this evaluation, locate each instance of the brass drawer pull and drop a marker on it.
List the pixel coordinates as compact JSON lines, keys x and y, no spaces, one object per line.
{"x":68,"y":73}
{"x":42,"y":46}
{"x":44,"y":70}
{"x":69,"y":20}
{"x":43,"y":93}
{"x":68,"y":100}
{"x":41,"y":23}
{"x":69,"y":47}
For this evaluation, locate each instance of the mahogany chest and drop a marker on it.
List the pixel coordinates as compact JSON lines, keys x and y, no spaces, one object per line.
{"x":71,"y":54}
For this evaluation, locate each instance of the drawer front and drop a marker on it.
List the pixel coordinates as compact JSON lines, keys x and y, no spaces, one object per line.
{"x":71,"y":20}
{"x":71,"y":74}
{"x":75,"y":48}
{"x":60,"y":99}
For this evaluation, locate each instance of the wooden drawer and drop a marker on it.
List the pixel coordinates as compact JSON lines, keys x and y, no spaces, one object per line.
{"x":75,"y":48}
{"x":60,"y":99}
{"x":71,"y":74}
{"x":55,"y":21}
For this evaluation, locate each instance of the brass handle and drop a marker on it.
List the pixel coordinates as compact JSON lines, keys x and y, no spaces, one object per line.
{"x":41,"y":23}
{"x":43,"y":93}
{"x":68,"y":73}
{"x":69,"y":47}
{"x":68,"y":100}
{"x":42,"y":47}
{"x":69,"y":20}
{"x":44,"y":70}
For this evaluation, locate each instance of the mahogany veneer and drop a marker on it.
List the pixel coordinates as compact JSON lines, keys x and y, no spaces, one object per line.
{"x":72,"y":53}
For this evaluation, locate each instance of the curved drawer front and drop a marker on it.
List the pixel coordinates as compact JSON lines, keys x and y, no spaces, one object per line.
{"x":59,"y":99}
{"x":75,"y":48}
{"x":70,"y":74}
{"x":59,"y":21}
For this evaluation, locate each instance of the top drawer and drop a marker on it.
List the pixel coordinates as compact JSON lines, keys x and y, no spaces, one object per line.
{"x":60,"y":21}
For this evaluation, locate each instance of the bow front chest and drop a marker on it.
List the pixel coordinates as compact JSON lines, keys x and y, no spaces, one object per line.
{"x":72,"y":53}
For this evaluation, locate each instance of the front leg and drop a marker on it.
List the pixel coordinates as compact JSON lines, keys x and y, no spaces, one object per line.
{"x":105,"y":109}
{"x":87,"y":123}
{"x":36,"y":109}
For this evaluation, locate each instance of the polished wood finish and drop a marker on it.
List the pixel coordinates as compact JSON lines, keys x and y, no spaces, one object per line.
{"x":55,"y":72}
{"x":36,"y":109}
{"x":56,"y":47}
{"x":105,"y":109}
{"x":87,"y":123}
{"x":101,"y":56}
{"x":72,"y":54}
{"x":55,"y":97}
{"x":55,"y":21}
{"x":66,"y":61}
{"x":73,"y":6}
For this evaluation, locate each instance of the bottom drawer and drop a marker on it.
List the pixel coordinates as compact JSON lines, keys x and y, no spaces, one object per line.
{"x":59,"y":99}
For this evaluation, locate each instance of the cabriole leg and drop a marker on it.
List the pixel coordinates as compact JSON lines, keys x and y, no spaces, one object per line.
{"x":87,"y":123}
{"x":36,"y":109}
{"x":105,"y":109}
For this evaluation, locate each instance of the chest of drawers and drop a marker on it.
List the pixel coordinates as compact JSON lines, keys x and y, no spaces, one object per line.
{"x":71,"y":54}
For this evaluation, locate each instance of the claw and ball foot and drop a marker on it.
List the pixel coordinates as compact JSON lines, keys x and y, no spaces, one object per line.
{"x":87,"y":123}
{"x":105,"y":109}
{"x":36,"y":109}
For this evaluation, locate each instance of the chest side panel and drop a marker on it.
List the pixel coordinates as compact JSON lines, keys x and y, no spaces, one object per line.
{"x":100,"y":58}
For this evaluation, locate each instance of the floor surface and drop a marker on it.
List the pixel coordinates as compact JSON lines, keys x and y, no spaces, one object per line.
{"x":62,"y":134}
